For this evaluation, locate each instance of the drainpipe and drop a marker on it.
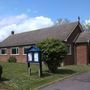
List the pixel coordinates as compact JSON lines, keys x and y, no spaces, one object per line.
{"x":88,"y":51}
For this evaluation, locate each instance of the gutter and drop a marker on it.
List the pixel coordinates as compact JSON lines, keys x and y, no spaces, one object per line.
{"x":16,"y":46}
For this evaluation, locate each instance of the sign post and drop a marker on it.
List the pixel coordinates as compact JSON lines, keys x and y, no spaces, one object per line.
{"x":34,"y":56}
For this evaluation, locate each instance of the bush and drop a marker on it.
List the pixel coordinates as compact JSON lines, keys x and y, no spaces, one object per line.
{"x":53,"y":53}
{"x":0,"y":71}
{"x":12,"y":59}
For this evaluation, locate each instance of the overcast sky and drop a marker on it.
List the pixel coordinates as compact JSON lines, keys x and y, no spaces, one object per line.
{"x":26,"y":15}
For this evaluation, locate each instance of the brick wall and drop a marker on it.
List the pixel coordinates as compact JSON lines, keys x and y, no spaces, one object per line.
{"x":20,"y":58}
{"x":81,"y":54}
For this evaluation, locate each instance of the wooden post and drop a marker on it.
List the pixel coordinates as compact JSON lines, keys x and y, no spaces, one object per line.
{"x":40,"y":65}
{"x":29,"y":68}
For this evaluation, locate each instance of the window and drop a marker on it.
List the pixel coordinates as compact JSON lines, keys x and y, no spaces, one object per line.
{"x":69,"y":49}
{"x":14,"y":50}
{"x":3,"y":51}
{"x":24,"y":50}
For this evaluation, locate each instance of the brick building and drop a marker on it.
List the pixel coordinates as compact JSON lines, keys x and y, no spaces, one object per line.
{"x":71,"y":33}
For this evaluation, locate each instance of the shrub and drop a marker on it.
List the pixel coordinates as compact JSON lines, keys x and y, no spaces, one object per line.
{"x":12,"y":59}
{"x":0,"y":71}
{"x":53,"y":53}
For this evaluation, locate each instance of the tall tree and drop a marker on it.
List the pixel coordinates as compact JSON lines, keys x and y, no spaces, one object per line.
{"x":86,"y":25}
{"x":61,"y":21}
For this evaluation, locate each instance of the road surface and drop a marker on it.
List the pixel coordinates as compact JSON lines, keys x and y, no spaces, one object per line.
{"x":78,"y":82}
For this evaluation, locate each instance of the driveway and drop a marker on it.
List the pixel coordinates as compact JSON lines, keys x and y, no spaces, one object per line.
{"x":78,"y":82}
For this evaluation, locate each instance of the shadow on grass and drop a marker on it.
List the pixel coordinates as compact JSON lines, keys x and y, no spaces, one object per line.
{"x":4,"y":86}
{"x":59,"y":71}
{"x":3,"y":79}
{"x":64,"y":71}
{"x":47,"y":73}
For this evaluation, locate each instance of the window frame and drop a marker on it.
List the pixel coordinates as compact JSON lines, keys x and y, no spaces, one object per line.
{"x":5,"y":51}
{"x":17,"y":50}
{"x":24,"y":48}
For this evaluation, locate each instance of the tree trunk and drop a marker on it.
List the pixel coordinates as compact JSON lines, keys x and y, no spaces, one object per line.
{"x":51,"y":66}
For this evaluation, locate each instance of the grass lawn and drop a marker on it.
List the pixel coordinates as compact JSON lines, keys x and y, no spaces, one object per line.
{"x":16,"y":77}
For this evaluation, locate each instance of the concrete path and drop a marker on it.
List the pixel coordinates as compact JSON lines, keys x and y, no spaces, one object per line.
{"x":78,"y":82}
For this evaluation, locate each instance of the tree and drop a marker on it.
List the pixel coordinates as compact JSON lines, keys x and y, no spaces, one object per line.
{"x":86,"y":25}
{"x":53,"y":52}
{"x":62,"y":21}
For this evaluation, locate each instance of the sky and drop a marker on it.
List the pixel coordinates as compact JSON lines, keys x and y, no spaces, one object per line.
{"x":27,"y":15}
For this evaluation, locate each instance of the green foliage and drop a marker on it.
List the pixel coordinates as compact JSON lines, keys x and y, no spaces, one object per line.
{"x":12,"y":59}
{"x":53,"y":52}
{"x":86,"y":27}
{"x":0,"y":71}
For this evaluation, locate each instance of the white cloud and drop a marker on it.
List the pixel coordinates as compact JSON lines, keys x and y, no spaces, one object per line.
{"x":22,"y":23}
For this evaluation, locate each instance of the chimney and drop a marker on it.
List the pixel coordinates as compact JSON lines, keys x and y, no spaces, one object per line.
{"x":12,"y":32}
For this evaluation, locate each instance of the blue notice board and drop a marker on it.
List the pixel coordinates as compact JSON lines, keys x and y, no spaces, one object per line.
{"x":33,"y":54}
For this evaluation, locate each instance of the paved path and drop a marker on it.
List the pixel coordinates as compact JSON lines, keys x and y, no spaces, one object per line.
{"x":78,"y":82}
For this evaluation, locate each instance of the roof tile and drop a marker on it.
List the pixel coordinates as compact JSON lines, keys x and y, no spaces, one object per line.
{"x":60,"y":32}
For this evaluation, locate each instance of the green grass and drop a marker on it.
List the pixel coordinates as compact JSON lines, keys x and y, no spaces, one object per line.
{"x":16,"y":77}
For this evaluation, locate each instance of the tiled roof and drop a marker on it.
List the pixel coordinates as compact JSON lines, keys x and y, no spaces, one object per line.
{"x":84,"y":37}
{"x":60,"y":32}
